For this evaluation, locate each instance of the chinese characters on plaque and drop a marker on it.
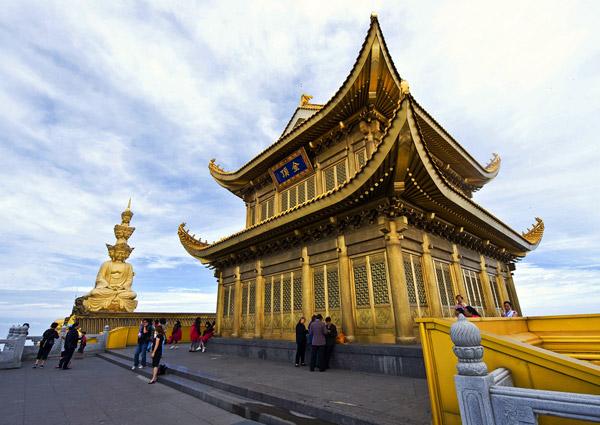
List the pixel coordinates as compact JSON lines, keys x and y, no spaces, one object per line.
{"x":292,"y":169}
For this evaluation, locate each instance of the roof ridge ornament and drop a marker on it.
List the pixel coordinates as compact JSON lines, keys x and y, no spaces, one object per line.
{"x":404,"y":87}
{"x":214,"y":167}
{"x":494,"y":164}
{"x":535,"y":234}
{"x":305,"y":99}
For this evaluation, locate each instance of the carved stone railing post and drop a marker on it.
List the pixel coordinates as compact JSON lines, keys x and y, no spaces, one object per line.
{"x":103,"y":338}
{"x":14,"y":344}
{"x":472,"y":383}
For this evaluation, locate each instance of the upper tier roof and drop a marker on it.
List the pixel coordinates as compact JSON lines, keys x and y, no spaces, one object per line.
{"x":375,"y":81}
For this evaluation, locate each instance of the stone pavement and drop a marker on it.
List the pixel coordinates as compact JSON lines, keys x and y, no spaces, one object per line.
{"x":96,"y":392}
{"x":370,"y":398}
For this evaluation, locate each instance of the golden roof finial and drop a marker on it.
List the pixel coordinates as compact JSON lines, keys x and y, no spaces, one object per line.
{"x":305,"y":99}
{"x":373,"y":16}
{"x":128,"y":205}
{"x":404,"y":87}
{"x":494,"y":164}
{"x":535,"y":234}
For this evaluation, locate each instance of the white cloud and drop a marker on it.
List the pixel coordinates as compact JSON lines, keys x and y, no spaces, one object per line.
{"x":108,"y":101}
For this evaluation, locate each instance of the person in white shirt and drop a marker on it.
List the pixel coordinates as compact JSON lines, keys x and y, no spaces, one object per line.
{"x":508,"y":310}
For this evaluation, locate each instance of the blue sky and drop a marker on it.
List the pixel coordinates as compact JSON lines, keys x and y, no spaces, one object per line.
{"x":101,"y":101}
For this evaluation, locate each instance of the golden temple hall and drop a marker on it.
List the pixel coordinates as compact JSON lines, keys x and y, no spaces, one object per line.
{"x":362,"y":210}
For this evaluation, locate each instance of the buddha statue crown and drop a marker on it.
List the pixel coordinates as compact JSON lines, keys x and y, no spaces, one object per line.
{"x":121,"y":250}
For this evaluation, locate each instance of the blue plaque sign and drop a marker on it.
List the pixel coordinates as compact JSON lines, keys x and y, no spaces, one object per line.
{"x":291,"y":169}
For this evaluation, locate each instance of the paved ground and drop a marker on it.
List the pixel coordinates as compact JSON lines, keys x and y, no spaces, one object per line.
{"x":96,"y":392}
{"x":393,"y":399}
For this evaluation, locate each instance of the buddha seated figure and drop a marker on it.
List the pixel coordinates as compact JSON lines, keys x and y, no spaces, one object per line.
{"x":113,"y":284}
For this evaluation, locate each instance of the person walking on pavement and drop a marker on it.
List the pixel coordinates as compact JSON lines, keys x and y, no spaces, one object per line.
{"x":145,"y":335}
{"x":46,"y":345}
{"x":175,"y":335}
{"x":157,"y":348}
{"x":300,"y":342}
{"x":317,"y":331}
{"x":330,"y":339}
{"x":71,"y":340}
{"x":195,"y":334}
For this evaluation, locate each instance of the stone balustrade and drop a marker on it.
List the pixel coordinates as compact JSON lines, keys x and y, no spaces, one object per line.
{"x":491,"y":398}
{"x":13,"y":345}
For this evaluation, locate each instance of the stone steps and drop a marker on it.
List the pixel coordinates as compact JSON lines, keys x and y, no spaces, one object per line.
{"x":262,"y":407}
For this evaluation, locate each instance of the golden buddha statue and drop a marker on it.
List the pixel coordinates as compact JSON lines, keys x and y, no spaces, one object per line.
{"x":115,"y":277}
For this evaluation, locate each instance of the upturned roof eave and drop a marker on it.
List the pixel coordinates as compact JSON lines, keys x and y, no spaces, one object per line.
{"x":265,"y":158}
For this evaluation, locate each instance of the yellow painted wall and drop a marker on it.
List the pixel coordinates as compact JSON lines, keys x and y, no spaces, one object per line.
{"x":531,"y":366}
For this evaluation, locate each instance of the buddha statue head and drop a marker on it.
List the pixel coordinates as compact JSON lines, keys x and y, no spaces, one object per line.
{"x":119,"y":252}
{"x":127,"y":214}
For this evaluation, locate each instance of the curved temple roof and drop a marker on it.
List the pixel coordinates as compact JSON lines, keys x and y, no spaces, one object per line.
{"x":437,"y":173}
{"x":373,"y":79}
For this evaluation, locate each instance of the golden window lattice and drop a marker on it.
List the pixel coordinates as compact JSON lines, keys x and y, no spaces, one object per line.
{"x":379,"y":280}
{"x":263,"y":211}
{"x":442,"y":274}
{"x":302,"y":192}
{"x":293,"y":196}
{"x":244,"y":299}
{"x":361,"y":285}
{"x":297,"y":293}
{"x":340,"y":171}
{"x":225,"y":300}
{"x":333,"y":288}
{"x":277,"y":295}
{"x":287,"y":294}
{"x":284,"y":200}
{"x":271,"y":204}
{"x":410,"y":282}
{"x":329,"y":178}
{"x":473,"y":286}
{"x":310,"y":188}
{"x":319,"y":288}
{"x":252,"y":297}
{"x":361,"y":157}
{"x":252,"y":215}
{"x":231,"y":300}
{"x":268,"y":285}
{"x":497,"y":301}
{"x":414,"y":279}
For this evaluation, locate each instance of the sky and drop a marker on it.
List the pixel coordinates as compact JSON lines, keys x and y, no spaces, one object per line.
{"x":103,"y":101}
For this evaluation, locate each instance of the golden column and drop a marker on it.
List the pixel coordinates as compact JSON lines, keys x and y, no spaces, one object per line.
{"x":512,"y":293}
{"x":237,"y":302}
{"x":490,"y":305}
{"x":392,"y":230}
{"x":456,"y":272}
{"x":307,"y":293}
{"x":220,"y":297}
{"x":500,"y":284}
{"x":259,"y":311}
{"x":435,"y":304}
{"x":346,"y":294}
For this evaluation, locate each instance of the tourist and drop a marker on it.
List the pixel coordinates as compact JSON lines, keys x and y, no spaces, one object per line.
{"x":82,"y":343}
{"x":46,"y":344}
{"x":301,"y":333}
{"x":175,"y":335}
{"x":330,"y":339}
{"x":206,"y":335}
{"x":157,"y":346}
{"x":508,"y":310}
{"x":312,"y":319}
{"x":145,"y":334}
{"x":163,"y":322}
{"x":471,"y":312}
{"x":195,"y":333}
{"x":156,"y":324}
{"x":70,"y":345}
{"x":317,"y":332}
{"x":460,"y":302}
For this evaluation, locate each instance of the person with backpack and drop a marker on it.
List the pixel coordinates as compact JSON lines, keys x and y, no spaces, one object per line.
{"x":157,"y":346}
{"x":330,"y":340}
{"x":145,"y":335}
{"x":46,"y":345}
{"x":71,"y":340}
